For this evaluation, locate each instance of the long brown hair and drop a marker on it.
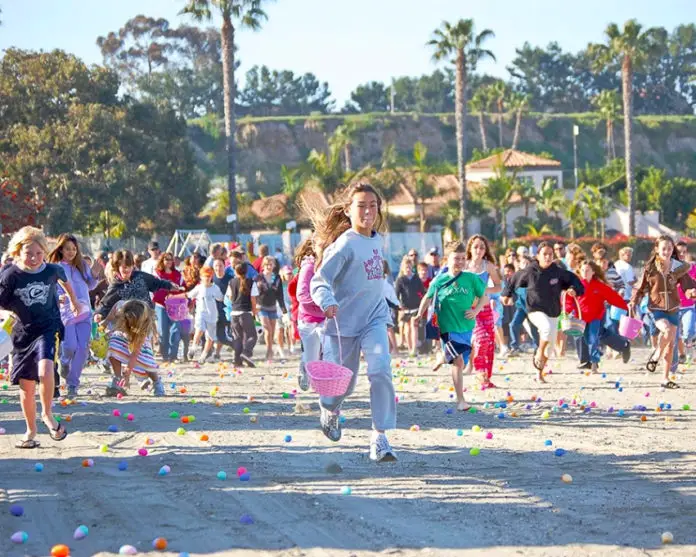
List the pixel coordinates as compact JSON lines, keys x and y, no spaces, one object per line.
{"x":305,"y":249}
{"x":596,"y":269}
{"x":240,"y":271}
{"x":137,"y":321}
{"x":56,"y":255}
{"x":160,"y":262}
{"x":488,"y":256}
{"x":329,"y":223}
{"x":651,"y":265}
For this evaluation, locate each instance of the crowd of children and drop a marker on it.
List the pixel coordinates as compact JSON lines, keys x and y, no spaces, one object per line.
{"x":339,"y":302}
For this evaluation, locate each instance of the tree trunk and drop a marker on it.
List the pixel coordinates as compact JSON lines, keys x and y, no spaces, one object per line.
{"x":518,"y":122}
{"x":500,"y":125}
{"x":460,"y":120}
{"x":422,"y":216}
{"x":230,"y":124}
{"x":608,"y":140}
{"x":572,"y":230}
{"x":504,"y":229}
{"x":482,"y":129}
{"x":613,"y":143}
{"x":349,"y":159}
{"x":627,"y":85}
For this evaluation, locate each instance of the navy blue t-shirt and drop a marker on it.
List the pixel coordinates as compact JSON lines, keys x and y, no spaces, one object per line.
{"x":33,"y":298}
{"x":222,"y":284}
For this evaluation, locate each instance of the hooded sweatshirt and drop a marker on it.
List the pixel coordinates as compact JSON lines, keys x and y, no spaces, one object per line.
{"x":137,"y":288}
{"x":592,"y":301}
{"x":544,"y":287}
{"x":309,"y":312}
{"x":350,"y":277}
{"x":81,"y":286}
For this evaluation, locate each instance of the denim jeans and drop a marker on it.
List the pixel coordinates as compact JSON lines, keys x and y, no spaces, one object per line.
{"x":587,"y":345}
{"x":516,"y":325}
{"x":606,"y":337}
{"x":169,"y":334}
{"x":687,"y":320}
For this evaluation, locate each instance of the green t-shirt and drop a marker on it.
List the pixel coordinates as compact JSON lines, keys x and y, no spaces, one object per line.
{"x":455,"y":300}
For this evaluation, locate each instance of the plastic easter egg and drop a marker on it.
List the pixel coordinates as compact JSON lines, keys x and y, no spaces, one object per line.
{"x":181,"y":431}
{"x":19,"y":537}
{"x":116,"y":413}
{"x":643,"y":418}
{"x":87,"y":463}
{"x":346,"y":490}
{"x":685,"y":407}
{"x":489,"y":435}
{"x":160,"y":544}
{"x":245,"y":477}
{"x":184,"y":419}
{"x":474,"y":451}
{"x":548,"y":442}
{"x":204,"y":437}
{"x":127,"y":550}
{"x":2,"y":431}
{"x":241,"y":470}
{"x":173,"y":415}
{"x":288,"y":438}
{"x":130,"y":417}
{"x":123,"y":466}
{"x":164,"y":470}
{"x":476,"y":428}
{"x":60,"y":550}
{"x":113,"y":429}
{"x":142,"y":452}
{"x":546,"y":415}
{"x":567,"y":479}
{"x":104,"y":448}
{"x":38,"y":467}
{"x":16,"y":510}
{"x":559,"y":452}
{"x":246,"y":410}
{"x":667,"y":538}
{"x":81,"y":532}
{"x":246,"y":519}
{"x":221,"y":475}
{"x":501,"y":416}
{"x":192,"y":418}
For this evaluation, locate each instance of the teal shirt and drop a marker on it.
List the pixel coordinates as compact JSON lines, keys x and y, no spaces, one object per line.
{"x":456,"y":299}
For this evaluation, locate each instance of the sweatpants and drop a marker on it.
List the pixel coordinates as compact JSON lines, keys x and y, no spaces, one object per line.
{"x":244,"y":335}
{"x":374,"y":345}
{"x":311,"y":335}
{"x":75,"y":350}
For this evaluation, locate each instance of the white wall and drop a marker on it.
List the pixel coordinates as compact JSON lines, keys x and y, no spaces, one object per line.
{"x":537,"y":176}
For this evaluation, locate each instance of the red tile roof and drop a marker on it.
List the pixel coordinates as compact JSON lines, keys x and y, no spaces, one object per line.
{"x":513,"y":159}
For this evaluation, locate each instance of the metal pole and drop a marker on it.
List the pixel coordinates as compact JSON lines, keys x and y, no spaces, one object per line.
{"x":575,"y":154}
{"x":393,"y":94}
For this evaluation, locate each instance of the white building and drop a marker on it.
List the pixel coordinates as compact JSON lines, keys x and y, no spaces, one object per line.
{"x":528,"y":167}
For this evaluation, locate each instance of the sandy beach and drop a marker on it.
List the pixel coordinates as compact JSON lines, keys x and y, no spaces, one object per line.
{"x":632,"y":479}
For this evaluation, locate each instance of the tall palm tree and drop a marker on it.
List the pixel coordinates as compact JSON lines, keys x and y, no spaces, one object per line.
{"x":479,"y":103}
{"x":422,"y":172}
{"x":527,"y":192}
{"x":519,"y":104}
{"x":575,"y":212}
{"x":460,"y":44}
{"x":598,"y":205}
{"x":246,"y":13}
{"x":609,"y":105}
{"x":630,"y":49}
{"x":499,"y":96}
{"x":551,"y":199}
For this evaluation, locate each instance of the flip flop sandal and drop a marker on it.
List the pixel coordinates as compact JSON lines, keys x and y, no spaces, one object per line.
{"x":670,"y":385}
{"x":58,"y":433}
{"x":28,"y":444}
{"x":651,"y":364}
{"x":537,"y":363}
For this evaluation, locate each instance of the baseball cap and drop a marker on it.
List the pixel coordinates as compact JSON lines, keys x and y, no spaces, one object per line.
{"x":522,"y":250}
{"x":153,"y":245}
{"x":434,"y":251}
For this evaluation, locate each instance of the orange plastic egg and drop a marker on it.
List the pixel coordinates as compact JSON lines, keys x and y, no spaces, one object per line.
{"x":160,"y":544}
{"x":60,"y":550}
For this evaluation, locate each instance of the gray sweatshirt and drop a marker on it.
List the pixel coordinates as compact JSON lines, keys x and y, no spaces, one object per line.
{"x":351,"y":276}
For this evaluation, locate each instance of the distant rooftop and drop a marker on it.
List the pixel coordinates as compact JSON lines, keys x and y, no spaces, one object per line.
{"x":513,"y":159}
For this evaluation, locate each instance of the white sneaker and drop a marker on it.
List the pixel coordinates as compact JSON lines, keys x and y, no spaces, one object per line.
{"x":504,"y":351}
{"x":380,"y":449}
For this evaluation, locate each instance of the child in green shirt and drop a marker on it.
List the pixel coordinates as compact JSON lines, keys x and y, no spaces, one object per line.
{"x":458,"y":297}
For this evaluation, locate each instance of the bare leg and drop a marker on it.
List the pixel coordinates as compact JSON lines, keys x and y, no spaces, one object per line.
{"x":541,"y":357}
{"x":27,"y":400}
{"x":458,"y":381}
{"x":46,"y":388}
{"x":414,"y":337}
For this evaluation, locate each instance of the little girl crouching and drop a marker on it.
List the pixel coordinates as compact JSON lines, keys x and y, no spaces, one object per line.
{"x":133,"y":325}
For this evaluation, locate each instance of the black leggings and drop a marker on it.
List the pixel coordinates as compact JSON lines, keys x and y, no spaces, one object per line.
{"x":244,"y":333}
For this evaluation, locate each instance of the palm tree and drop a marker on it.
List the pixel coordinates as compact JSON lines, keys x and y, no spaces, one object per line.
{"x":479,"y":104}
{"x":422,"y":173}
{"x":324,"y":171}
{"x":247,"y":13}
{"x":551,"y":199}
{"x":631,"y":48}
{"x":527,"y":192}
{"x":608,"y":103}
{"x":519,"y":104}
{"x":496,"y":195}
{"x":575,"y":212}
{"x":461,"y":45}
{"x":499,"y":93}
{"x":292,"y":184}
{"x":535,"y":232}
{"x":598,"y":205}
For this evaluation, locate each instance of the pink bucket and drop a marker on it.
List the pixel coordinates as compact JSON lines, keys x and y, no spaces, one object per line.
{"x":329,"y":379}
{"x":629,"y":327}
{"x":177,"y":308}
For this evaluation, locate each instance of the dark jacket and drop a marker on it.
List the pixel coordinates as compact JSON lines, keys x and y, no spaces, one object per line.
{"x":271,"y":293}
{"x":138,"y":287}
{"x":409,"y":291}
{"x":544,"y":287}
{"x":662,"y":289}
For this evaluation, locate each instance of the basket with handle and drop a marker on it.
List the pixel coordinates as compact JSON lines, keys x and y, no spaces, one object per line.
{"x":570,"y":325}
{"x":328,"y":378}
{"x":629,"y":326}
{"x":177,"y":308}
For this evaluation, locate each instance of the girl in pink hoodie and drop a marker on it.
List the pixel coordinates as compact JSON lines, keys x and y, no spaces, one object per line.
{"x":310,"y":316}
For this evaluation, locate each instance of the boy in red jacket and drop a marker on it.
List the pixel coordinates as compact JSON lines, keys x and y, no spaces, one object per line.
{"x":592,"y":310}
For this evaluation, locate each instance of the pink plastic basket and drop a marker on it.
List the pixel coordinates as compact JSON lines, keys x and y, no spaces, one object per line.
{"x":327,"y":378}
{"x":177,"y":308}
{"x":629,"y":327}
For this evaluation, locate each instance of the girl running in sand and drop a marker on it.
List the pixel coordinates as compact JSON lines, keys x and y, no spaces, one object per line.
{"x":347,"y":286}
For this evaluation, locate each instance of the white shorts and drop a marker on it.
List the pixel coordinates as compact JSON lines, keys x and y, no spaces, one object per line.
{"x":203,"y":323}
{"x":547,"y":326}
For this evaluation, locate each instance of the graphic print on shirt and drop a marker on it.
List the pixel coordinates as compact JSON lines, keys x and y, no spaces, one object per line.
{"x":34,"y":293}
{"x":374,"y":268}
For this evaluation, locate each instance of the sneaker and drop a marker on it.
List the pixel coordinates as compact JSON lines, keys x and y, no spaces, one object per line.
{"x":584,"y":366}
{"x":504,"y":352}
{"x":158,"y":388}
{"x":247,"y":361}
{"x":191,"y":355}
{"x":303,"y":378}
{"x":330,"y":424}
{"x":380,"y":449}
{"x":626,"y":354}
{"x":682,"y":359}
{"x":72,"y":393}
{"x":114,"y":389}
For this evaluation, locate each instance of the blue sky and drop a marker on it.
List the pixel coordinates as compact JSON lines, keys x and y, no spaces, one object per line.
{"x":345,"y":42}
